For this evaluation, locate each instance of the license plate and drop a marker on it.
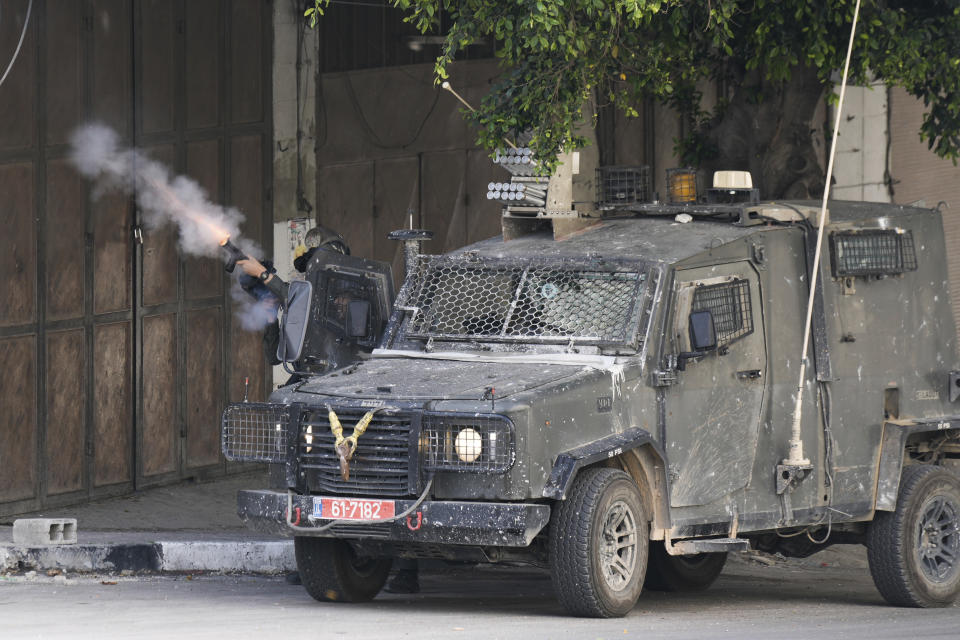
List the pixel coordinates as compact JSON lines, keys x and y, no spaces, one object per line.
{"x":352,"y":509}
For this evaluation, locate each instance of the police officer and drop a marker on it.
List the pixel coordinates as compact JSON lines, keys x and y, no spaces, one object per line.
{"x":261,"y":280}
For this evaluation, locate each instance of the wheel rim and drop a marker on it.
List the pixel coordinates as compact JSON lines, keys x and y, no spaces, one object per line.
{"x":938,"y":539}
{"x":618,"y":546}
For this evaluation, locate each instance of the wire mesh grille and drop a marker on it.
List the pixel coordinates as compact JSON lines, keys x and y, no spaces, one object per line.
{"x":729,"y":304}
{"x":255,"y":432}
{"x":623,"y":185}
{"x":873,"y":252}
{"x":478,"y":444}
{"x":380,"y":465}
{"x":463,"y":300}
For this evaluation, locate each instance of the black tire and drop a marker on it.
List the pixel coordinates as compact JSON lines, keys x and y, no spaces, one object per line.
{"x":914,"y":551}
{"x":682,"y":573}
{"x":592,"y":576}
{"x":332,"y":572}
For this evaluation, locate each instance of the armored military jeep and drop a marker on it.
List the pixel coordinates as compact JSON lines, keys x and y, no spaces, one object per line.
{"x":617,"y":405}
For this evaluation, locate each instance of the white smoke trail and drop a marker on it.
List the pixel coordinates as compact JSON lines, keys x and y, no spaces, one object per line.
{"x":167,"y":199}
{"x":161,"y":197}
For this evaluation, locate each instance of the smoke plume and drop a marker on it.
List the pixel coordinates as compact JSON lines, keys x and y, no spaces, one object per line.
{"x":164,"y":198}
{"x":161,"y":197}
{"x":253,"y":312}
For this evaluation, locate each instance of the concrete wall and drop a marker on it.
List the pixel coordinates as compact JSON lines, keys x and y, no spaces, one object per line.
{"x":293,"y":111}
{"x":860,"y":169}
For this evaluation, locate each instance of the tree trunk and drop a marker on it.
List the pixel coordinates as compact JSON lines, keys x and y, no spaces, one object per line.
{"x":768,"y":129}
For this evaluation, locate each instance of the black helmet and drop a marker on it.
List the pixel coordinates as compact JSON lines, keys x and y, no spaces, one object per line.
{"x":321,"y":237}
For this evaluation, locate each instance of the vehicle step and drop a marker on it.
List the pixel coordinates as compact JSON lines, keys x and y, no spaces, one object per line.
{"x":710,"y":545}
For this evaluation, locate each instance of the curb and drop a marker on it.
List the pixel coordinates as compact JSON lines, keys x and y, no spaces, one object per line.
{"x":262,"y":556}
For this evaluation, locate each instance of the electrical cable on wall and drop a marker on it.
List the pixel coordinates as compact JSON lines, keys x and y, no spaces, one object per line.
{"x":302,"y":203}
{"x":19,"y":44}
{"x":368,"y":128}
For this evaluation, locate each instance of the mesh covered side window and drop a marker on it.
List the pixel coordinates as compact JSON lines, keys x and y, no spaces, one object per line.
{"x":729,"y":304}
{"x":873,"y":252}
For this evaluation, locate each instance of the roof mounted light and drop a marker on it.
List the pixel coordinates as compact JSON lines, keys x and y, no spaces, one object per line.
{"x":732,"y":180}
{"x":732,"y":187}
{"x":682,"y":186}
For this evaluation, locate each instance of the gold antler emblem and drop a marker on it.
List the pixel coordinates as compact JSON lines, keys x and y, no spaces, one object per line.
{"x":346,"y":446}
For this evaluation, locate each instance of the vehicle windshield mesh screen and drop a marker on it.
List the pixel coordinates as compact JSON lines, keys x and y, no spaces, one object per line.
{"x":470,"y":300}
{"x":872,"y":252}
{"x":729,"y":304}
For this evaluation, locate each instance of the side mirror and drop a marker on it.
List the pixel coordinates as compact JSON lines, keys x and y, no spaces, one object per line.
{"x":358,"y":318}
{"x":293,"y":327}
{"x":703,"y":336}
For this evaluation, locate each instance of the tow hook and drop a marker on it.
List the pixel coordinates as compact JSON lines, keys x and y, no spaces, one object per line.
{"x":296,"y":510}
{"x":419,"y":521}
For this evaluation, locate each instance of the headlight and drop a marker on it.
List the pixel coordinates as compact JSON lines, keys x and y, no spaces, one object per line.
{"x":479,"y":444}
{"x":468,"y":445}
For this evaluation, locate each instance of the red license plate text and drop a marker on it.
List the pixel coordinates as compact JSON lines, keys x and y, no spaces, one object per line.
{"x":353,"y":509}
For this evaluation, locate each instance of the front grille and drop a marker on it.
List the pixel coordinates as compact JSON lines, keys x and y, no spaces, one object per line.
{"x":255,"y":432}
{"x":380,"y":465}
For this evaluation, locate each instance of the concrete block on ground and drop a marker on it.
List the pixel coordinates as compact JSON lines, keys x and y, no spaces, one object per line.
{"x":36,"y":532}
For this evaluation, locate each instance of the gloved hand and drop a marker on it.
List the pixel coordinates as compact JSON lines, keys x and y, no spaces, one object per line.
{"x":300,"y":262}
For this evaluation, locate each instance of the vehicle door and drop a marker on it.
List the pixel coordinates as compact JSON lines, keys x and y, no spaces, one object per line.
{"x":714,"y":408}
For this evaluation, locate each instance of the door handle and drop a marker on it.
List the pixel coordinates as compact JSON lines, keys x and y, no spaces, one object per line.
{"x":749,"y":374}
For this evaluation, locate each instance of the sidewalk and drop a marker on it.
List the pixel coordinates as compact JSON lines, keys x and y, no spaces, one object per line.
{"x":180,"y":528}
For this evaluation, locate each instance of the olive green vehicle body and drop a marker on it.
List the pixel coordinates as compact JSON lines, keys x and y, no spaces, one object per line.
{"x":703,"y":441}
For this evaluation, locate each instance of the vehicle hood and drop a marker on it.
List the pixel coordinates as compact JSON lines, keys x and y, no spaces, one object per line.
{"x":443,"y":377}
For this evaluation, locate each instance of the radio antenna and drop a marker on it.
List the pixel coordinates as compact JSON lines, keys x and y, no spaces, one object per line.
{"x":795,"y":456}
{"x":446,"y":85}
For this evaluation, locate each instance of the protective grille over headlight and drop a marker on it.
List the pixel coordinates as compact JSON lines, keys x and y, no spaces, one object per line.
{"x":255,"y":432}
{"x":456,"y":442}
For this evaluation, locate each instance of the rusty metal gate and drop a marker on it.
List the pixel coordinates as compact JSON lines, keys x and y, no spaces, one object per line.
{"x":117,"y":356}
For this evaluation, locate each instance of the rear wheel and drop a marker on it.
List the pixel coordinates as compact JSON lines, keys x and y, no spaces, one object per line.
{"x":914,"y":551}
{"x":331,"y":571}
{"x":598,"y":545}
{"x":682,"y":573}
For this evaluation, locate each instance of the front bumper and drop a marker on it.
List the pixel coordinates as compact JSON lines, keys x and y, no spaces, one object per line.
{"x":500,"y":524}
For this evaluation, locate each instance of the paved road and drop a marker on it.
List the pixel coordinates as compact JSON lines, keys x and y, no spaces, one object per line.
{"x":750,"y":600}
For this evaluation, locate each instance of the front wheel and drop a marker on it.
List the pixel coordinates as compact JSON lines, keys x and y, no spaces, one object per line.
{"x":682,"y":573}
{"x":598,"y":545}
{"x":331,"y":571}
{"x":914,"y":551}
